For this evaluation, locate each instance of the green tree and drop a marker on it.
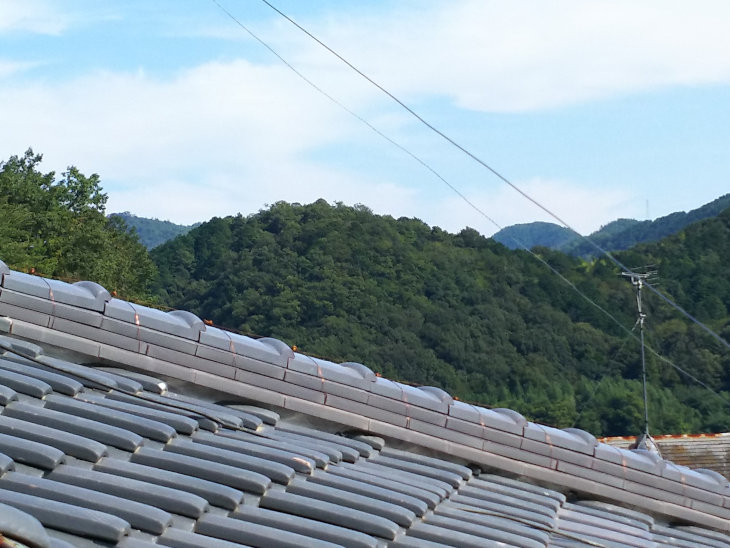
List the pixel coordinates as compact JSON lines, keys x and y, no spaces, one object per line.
{"x":58,"y":228}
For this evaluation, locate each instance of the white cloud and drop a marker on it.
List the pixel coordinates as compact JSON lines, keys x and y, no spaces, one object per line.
{"x":583,"y":208}
{"x":234,"y":113}
{"x":532,"y":54}
{"x":216,"y":139}
{"x":230,"y":136}
{"x":35,"y":16}
{"x":10,"y":68}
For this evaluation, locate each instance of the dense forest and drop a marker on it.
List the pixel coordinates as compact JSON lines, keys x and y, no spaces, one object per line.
{"x":489,"y":324}
{"x":463,"y":312}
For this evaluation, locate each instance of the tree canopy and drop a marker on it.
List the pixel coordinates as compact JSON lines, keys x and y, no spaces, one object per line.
{"x":57,"y":227}
{"x":460,"y":311}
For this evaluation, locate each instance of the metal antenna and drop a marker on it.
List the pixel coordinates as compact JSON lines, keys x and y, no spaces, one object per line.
{"x":638,"y":280}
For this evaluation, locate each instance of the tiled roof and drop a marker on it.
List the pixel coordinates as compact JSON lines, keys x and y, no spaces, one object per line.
{"x":709,"y":451}
{"x":126,"y":426}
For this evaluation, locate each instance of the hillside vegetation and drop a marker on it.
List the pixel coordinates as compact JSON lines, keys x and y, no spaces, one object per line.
{"x":463,"y":312}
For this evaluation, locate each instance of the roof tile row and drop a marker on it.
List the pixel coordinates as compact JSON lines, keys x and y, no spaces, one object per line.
{"x":68,"y":417}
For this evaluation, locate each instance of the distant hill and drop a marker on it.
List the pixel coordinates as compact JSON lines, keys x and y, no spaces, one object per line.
{"x":153,"y":232}
{"x":618,"y":235}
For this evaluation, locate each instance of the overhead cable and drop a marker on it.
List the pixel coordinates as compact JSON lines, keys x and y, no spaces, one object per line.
{"x":485,"y":165}
{"x":454,"y":189}
{"x":420,"y":161}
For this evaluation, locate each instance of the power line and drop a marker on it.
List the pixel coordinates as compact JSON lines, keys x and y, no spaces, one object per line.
{"x":416,"y":158}
{"x":484,"y":164}
{"x":459,"y":193}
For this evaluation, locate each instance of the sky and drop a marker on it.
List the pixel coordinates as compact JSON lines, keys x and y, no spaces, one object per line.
{"x":596,"y":110}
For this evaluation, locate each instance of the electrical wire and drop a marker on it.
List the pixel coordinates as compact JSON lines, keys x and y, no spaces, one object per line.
{"x":458,"y":192}
{"x":485,"y":165}
{"x":419,"y":160}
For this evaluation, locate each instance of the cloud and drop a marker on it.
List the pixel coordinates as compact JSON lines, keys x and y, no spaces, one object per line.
{"x":34,"y":16}
{"x":531,"y":55}
{"x":230,"y":135}
{"x":10,"y":68}
{"x":216,"y":139}
{"x":583,"y":208}
{"x":238,"y":112}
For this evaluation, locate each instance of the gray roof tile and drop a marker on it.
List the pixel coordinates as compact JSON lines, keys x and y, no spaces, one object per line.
{"x":452,"y":478}
{"x":503,"y":506}
{"x":216,"y":494}
{"x":343,"y":497}
{"x":27,"y":452}
{"x":449,"y":537}
{"x":341,"y":442}
{"x":144,"y":427}
{"x":68,"y":517}
{"x":326,"y":488}
{"x":487,"y":528}
{"x":23,"y":527}
{"x":430,"y":498}
{"x":255,"y":534}
{"x":24,"y":384}
{"x":165,"y":498}
{"x":416,"y":458}
{"x":436,"y":486}
{"x":267,"y":416}
{"x":272,"y":463}
{"x":415,"y":505}
{"x":177,"y":538}
{"x":7,"y":395}
{"x":328,"y":512}
{"x":87,"y":428}
{"x":71,"y":444}
{"x":304,"y":526}
{"x":147,"y":382}
{"x":181,"y":424}
{"x":517,"y":524}
{"x":153,"y":401}
{"x":58,"y":383}
{"x":7,"y":444}
{"x":142,"y":516}
{"x":320,"y":458}
{"x":229,"y":416}
{"x":87,"y":376}
{"x":232,"y":476}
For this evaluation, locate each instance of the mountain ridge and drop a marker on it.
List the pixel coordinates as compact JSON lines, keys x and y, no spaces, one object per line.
{"x":617,"y":235}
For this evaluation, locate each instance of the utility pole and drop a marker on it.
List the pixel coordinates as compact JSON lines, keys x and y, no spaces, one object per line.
{"x":638,"y":281}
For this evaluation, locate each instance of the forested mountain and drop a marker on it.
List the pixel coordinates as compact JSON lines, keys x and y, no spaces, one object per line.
{"x":152,"y":232}
{"x":615,"y":236}
{"x":57,"y":228}
{"x":414,"y":302}
{"x":463,"y":312}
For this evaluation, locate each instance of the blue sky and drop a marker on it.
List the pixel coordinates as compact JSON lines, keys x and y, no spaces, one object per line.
{"x":599,"y":110}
